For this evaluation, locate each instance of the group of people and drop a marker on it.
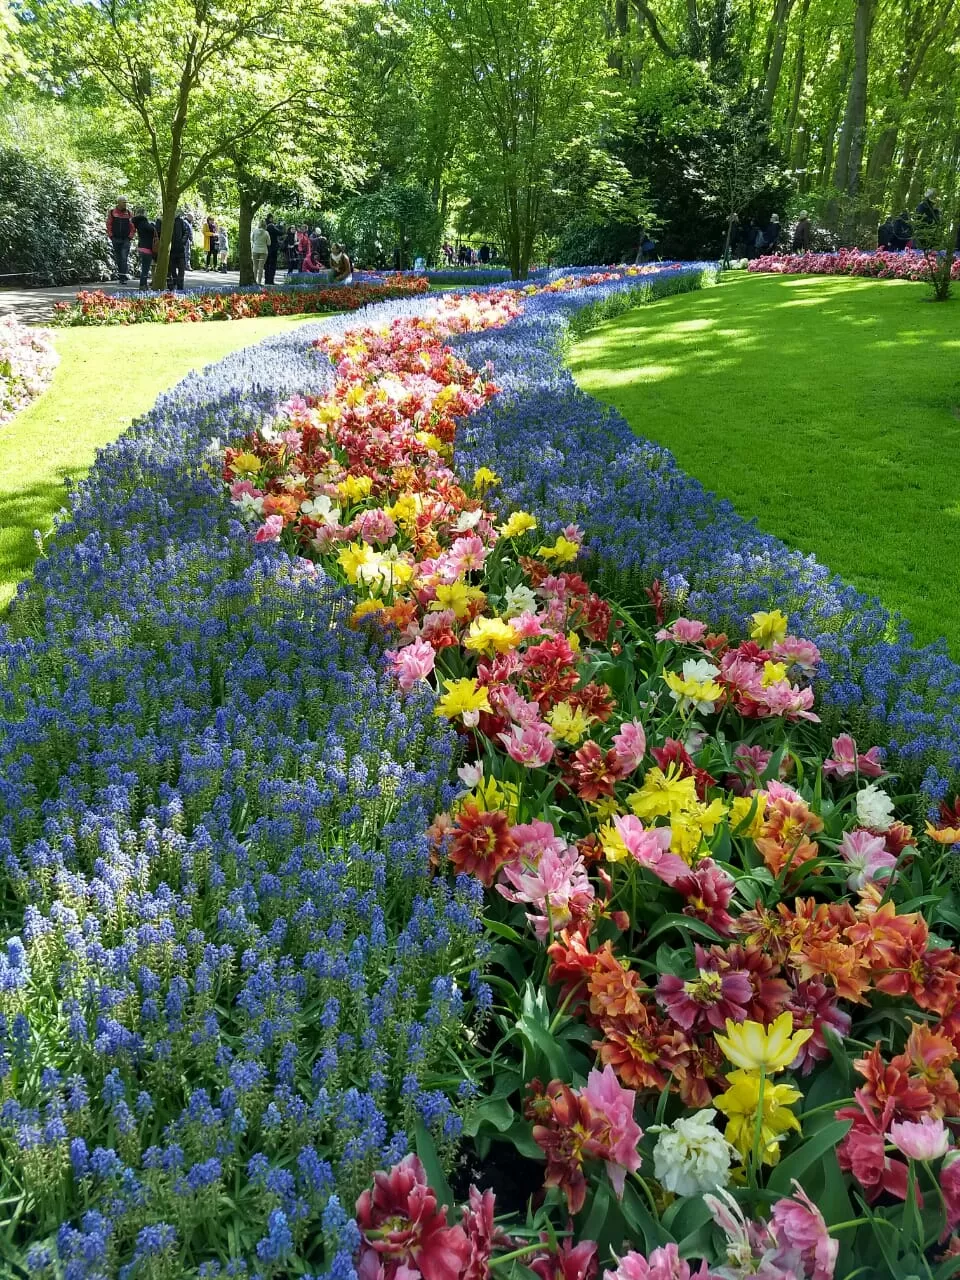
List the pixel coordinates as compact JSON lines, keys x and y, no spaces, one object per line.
{"x":751,"y":239}
{"x":302,"y":250}
{"x":465,"y":256}
{"x":898,"y":231}
{"x":124,"y":228}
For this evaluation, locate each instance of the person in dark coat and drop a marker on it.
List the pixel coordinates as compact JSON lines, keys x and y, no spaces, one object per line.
{"x":928,"y":220}
{"x":885,"y":236}
{"x":120,"y":230}
{"x":771,"y":237}
{"x":802,"y":233}
{"x":290,"y":249}
{"x":270,"y":266}
{"x":182,"y":237}
{"x":146,"y":236}
{"x":902,"y":232}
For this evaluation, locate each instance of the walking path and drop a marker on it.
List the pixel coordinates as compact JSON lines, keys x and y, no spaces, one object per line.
{"x":35,"y":306}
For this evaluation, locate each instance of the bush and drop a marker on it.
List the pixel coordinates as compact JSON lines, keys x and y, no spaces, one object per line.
{"x":50,"y":227}
{"x":27,"y":362}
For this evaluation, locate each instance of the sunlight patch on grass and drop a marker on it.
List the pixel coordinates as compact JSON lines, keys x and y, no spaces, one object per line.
{"x":836,"y":427}
{"x":106,"y":377}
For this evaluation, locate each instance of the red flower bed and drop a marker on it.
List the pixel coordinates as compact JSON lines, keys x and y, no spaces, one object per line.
{"x":96,"y":307}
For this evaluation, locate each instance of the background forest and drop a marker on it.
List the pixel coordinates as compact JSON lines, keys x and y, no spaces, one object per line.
{"x":560,"y":129}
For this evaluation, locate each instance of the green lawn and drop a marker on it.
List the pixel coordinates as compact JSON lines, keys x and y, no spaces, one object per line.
{"x":106,"y":377}
{"x":827,"y":408}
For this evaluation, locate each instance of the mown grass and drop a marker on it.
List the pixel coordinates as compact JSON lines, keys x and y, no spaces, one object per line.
{"x":827,"y":408}
{"x":106,"y":377}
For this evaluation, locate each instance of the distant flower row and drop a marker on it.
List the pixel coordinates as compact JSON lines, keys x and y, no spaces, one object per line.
{"x":881,"y":265}
{"x":98,"y":308}
{"x":27,"y":362}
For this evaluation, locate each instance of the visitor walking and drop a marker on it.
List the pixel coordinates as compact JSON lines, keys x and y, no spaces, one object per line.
{"x":146,"y":246}
{"x":771,"y":237}
{"x":802,"y":233}
{"x":290,"y":250}
{"x":211,"y":243}
{"x":120,"y":230}
{"x":305,"y":251}
{"x":484,"y":255}
{"x":273,"y":251}
{"x":885,"y":234}
{"x":223,"y":241}
{"x":342,"y":266}
{"x":259,"y":245}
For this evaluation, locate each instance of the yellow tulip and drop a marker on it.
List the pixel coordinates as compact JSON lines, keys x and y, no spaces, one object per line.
{"x":754,"y":1047}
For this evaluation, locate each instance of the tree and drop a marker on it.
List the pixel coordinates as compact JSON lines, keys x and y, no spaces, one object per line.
{"x":531,"y":76}
{"x":169,"y":70}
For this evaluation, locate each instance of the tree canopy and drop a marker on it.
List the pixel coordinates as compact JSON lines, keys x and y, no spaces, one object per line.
{"x":548,"y":127}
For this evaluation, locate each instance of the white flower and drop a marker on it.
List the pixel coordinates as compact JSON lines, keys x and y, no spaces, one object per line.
{"x":518,"y":600}
{"x":321,"y":508}
{"x":214,"y":448}
{"x":874,"y":808}
{"x":248,"y":507}
{"x":468,"y":520}
{"x":471,"y":775}
{"x":699,"y":669}
{"x":692,"y":1156}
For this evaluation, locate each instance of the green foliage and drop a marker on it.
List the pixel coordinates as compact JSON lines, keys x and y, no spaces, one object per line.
{"x":50,"y":227}
{"x":398,"y":218}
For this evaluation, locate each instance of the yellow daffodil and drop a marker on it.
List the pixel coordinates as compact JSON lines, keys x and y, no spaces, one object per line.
{"x":386,"y":568}
{"x":695,"y":687}
{"x":484,"y":478}
{"x":768,"y":627}
{"x":752,"y":1046}
{"x":611,"y":842}
{"x":490,"y":795}
{"x":328,"y":411}
{"x":519,"y":522}
{"x":355,"y":395}
{"x":245,"y":464}
{"x":663,"y":793}
{"x":568,"y":724}
{"x":686,"y":836}
{"x":365,"y":608}
{"x":457,"y":597}
{"x":355,"y":488}
{"x":491,"y":635}
{"x":430,"y":441}
{"x":352,"y":557}
{"x":573,"y":640}
{"x":773,"y":673}
{"x":405,"y":508}
{"x":563,"y":551}
{"x":462,"y":698}
{"x":741,"y":809}
{"x":741,"y":1105}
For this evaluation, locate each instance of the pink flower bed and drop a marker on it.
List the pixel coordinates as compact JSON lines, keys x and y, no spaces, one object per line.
{"x":880,"y":265}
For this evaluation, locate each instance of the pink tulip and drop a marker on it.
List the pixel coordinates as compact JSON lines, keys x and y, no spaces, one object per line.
{"x":927,"y":1139}
{"x":270,"y":530}
{"x":630,"y":744}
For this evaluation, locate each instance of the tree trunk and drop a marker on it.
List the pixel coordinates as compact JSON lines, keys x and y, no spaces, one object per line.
{"x":248,"y":207}
{"x":799,"y":73}
{"x":878,"y":164}
{"x":777,"y":47}
{"x":850,"y":151}
{"x":905,"y":171}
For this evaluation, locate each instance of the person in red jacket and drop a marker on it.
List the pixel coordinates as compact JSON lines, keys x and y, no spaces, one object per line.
{"x":120,"y":230}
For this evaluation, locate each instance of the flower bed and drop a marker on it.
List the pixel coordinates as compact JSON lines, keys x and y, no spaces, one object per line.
{"x":27,"y":362}
{"x":245,"y":975}
{"x":879,"y":265}
{"x":97,"y":307}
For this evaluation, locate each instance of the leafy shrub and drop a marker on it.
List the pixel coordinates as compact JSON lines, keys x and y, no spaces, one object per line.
{"x":50,"y":226}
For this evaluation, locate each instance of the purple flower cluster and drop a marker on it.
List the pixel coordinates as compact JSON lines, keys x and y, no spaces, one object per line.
{"x":228,"y":985}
